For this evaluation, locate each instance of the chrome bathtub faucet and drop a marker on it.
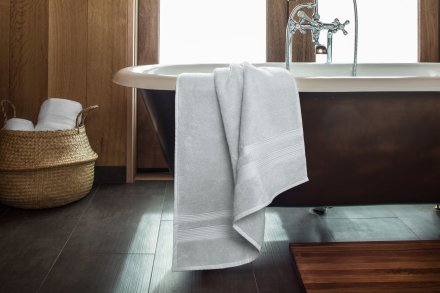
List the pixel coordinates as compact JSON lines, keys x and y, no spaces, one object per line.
{"x":300,"y":21}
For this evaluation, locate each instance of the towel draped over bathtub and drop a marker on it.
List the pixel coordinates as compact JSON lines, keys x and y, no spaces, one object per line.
{"x":239,"y":143}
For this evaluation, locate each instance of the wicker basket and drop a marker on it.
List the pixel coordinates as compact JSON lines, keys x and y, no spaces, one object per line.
{"x":45,"y":169}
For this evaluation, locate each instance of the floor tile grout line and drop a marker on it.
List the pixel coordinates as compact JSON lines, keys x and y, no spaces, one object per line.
{"x":158,"y":234}
{"x":68,"y":238}
{"x":119,"y":253}
{"x":360,"y":218}
{"x":154,"y":259}
{"x":164,"y":198}
{"x":255,"y":279}
{"x":410,"y":229}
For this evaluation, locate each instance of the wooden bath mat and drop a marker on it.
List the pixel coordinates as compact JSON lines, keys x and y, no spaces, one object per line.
{"x":398,"y":266}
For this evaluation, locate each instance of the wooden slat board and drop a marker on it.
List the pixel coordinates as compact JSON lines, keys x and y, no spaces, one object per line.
{"x":276,"y":16}
{"x":4,"y":48}
{"x":429,"y":31}
{"x":148,"y":31}
{"x":149,"y":154}
{"x":107,"y":52}
{"x":303,"y":49}
{"x":28,"y":54}
{"x":68,"y":50}
{"x":399,"y":266}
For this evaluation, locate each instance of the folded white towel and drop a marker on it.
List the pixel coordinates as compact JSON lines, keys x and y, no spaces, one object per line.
{"x":58,"y":114}
{"x":19,"y":124}
{"x":239,"y":143}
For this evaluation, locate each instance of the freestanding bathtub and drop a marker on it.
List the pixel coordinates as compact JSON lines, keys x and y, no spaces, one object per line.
{"x":370,"y":139}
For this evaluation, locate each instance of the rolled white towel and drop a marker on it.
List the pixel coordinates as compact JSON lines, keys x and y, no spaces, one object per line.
{"x":58,"y":114}
{"x":19,"y":124}
{"x":52,"y":126}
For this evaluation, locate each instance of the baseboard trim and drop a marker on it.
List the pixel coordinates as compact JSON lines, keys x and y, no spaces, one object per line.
{"x":110,"y":174}
{"x":117,"y":174}
{"x":153,"y":174}
{"x":154,"y":177}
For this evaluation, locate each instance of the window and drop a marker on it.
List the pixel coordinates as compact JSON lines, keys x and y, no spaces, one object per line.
{"x":208,"y":31}
{"x":388,"y":30}
{"x":212,"y":31}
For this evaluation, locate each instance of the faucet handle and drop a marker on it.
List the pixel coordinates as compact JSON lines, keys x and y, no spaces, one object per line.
{"x":302,"y":15}
{"x":343,"y":29}
{"x":340,"y":26}
{"x":292,"y":26}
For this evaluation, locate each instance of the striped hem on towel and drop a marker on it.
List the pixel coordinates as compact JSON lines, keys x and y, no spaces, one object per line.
{"x":261,"y":154}
{"x":207,"y":233}
{"x":274,"y":139}
{"x":204,"y":216}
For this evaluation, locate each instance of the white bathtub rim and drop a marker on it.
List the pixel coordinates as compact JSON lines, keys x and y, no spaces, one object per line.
{"x":145,"y":77}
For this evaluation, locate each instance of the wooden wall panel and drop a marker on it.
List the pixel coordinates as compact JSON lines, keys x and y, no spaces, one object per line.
{"x":277,"y":14}
{"x":4,"y":48}
{"x":107,"y":53}
{"x":149,"y":154}
{"x":276,"y":20}
{"x":68,"y":49}
{"x":148,"y":39}
{"x":429,"y":31}
{"x":303,"y":48}
{"x":28,"y":55}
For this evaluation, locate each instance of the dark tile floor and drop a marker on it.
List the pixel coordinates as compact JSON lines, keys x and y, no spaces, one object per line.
{"x":119,"y":239}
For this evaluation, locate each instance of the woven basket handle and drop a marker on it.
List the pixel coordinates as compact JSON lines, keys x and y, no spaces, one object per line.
{"x":4,"y":112}
{"x":81,"y":118}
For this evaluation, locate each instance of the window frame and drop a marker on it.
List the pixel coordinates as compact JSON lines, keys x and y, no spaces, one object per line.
{"x":429,"y":32}
{"x":277,"y":14}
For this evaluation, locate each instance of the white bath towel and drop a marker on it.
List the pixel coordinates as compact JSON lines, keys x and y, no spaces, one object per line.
{"x":239,"y":143}
{"x":19,"y":124}
{"x":58,"y":114}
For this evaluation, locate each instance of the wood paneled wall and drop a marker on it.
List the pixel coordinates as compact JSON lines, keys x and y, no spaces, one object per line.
{"x":69,"y":49}
{"x":303,"y":48}
{"x":4,"y":47}
{"x":106,"y":54}
{"x":149,"y":154}
{"x":277,"y":14}
{"x":429,"y":31}
{"x":28,"y":53}
{"x":276,"y":19}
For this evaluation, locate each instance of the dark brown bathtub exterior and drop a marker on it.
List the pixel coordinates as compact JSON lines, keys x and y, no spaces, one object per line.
{"x":362,"y":148}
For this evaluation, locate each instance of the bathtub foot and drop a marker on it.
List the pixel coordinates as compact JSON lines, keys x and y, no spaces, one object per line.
{"x":437,"y":207}
{"x":320,"y":210}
